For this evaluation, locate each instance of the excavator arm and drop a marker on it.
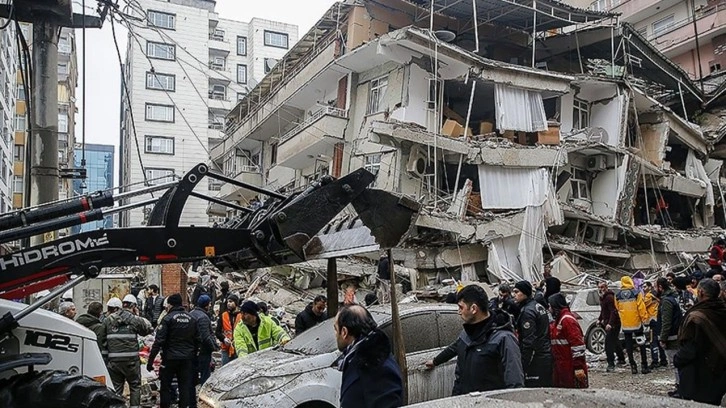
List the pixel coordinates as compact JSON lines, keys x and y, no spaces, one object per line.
{"x":285,"y":230}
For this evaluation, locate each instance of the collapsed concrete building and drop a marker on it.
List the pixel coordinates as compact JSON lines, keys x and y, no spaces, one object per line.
{"x":516,"y":153}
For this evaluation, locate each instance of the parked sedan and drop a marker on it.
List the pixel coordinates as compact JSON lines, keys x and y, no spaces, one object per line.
{"x":301,"y":373}
{"x":585,"y":305}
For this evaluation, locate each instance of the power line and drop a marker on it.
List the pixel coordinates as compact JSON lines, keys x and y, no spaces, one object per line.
{"x":128,"y":101}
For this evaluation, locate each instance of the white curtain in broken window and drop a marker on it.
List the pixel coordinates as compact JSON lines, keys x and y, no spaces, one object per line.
{"x":519,"y":109}
{"x":696,"y":171}
{"x":510,"y":188}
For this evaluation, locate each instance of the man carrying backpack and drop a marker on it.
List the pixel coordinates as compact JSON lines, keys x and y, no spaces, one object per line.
{"x":669,"y":320}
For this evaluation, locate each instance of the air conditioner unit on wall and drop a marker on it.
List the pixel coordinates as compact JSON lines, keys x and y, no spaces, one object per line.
{"x":597,"y":163}
{"x":595,"y":233}
{"x":418,"y":162}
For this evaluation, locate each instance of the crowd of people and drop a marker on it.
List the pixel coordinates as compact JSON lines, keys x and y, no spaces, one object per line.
{"x":183,"y":337}
{"x":526,"y":337}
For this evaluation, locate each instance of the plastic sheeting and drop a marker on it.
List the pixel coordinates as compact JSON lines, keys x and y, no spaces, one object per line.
{"x":519,"y":109}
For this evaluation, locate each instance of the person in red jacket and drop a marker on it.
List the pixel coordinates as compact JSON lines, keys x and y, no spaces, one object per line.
{"x":568,"y":346}
{"x":610,"y":321}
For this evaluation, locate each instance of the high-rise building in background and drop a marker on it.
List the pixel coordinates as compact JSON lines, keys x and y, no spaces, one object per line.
{"x":8,"y":58}
{"x":185,"y":70}
{"x":99,"y":176}
{"x":67,"y":83}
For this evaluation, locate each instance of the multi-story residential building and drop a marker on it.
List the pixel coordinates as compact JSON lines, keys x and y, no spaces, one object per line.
{"x":184,"y":71}
{"x":67,"y":83}
{"x":8,"y":57}
{"x":99,"y":176}
{"x":547,"y":161}
{"x":698,"y":47}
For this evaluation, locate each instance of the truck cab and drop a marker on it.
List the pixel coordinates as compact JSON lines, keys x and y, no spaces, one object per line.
{"x":72,"y":346}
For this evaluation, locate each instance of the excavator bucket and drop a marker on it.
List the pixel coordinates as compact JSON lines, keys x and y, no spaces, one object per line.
{"x":384,"y":220}
{"x":305,"y":226}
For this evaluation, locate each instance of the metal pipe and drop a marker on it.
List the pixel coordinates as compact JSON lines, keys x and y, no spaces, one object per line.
{"x":458,"y":174}
{"x":145,"y":190}
{"x":220,"y":202}
{"x":534,"y":31}
{"x":399,"y":347}
{"x":127,"y":207}
{"x":50,"y":225}
{"x":468,"y":112}
{"x":698,"y":48}
{"x":476,"y":27}
{"x":250,"y":187}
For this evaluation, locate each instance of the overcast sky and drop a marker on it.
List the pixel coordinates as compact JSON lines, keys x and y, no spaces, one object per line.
{"x":103,"y":80}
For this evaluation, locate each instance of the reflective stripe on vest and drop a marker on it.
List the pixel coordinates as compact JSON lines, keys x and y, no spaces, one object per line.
{"x":122,"y":336}
{"x":228,"y":331}
{"x":125,"y":354}
{"x":560,"y":342}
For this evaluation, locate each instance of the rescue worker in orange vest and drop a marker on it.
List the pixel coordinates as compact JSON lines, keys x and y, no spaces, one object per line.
{"x":715,"y":259}
{"x":225,"y":328}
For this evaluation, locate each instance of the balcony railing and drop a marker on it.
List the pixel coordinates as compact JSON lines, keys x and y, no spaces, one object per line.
{"x":328,"y":110}
{"x":219,"y":96}
{"x":216,"y":36}
{"x":243,"y":168}
{"x":216,"y":125}
{"x":703,"y":12}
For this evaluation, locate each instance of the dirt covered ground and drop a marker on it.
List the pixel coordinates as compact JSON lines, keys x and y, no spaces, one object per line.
{"x":658,"y":382}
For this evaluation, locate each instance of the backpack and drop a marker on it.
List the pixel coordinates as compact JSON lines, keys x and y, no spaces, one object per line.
{"x":677,"y":314}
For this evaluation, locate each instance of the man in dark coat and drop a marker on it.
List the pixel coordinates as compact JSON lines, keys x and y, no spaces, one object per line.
{"x":224,"y":293}
{"x":209,"y":343}
{"x":701,"y":356}
{"x":610,"y":321}
{"x":533,"y":326}
{"x":313,"y":314}
{"x":371,"y":377}
{"x":178,"y":340}
{"x":154,"y":305}
{"x":504,"y":301}
{"x":489,"y":330}
{"x":92,"y":320}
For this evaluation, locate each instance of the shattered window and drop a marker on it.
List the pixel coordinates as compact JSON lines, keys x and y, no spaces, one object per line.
{"x":376,"y":94}
{"x":580,"y":114}
{"x":579,"y":185}
{"x":373,"y":163}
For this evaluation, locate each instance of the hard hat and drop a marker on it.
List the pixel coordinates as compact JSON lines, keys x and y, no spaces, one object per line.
{"x":114,"y":302}
{"x":129,"y":298}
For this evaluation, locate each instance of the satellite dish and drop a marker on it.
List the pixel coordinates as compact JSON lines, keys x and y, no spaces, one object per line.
{"x":445,"y":35}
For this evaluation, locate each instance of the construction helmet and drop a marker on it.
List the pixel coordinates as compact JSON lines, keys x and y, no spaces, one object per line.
{"x":114,"y":302}
{"x":129,"y":299}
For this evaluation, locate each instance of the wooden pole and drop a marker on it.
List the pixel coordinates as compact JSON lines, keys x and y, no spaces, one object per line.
{"x":399,"y":348}
{"x":332,"y":287}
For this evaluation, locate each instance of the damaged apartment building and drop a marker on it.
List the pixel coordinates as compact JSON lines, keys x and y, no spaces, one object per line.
{"x":516,"y":153}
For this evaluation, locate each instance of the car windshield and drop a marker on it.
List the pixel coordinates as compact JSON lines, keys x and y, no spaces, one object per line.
{"x":321,"y":338}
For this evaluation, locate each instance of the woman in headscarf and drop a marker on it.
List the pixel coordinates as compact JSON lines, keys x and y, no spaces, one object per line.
{"x":568,"y":346}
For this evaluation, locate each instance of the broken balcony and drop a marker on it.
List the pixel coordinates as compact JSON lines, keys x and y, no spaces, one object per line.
{"x":315,"y":137}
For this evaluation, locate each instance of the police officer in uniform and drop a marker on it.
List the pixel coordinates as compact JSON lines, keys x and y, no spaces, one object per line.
{"x":533,"y":325}
{"x":178,"y":340}
{"x":120,"y":346}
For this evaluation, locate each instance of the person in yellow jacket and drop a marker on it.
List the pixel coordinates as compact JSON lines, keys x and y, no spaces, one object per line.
{"x":633,"y":315}
{"x":652,"y":304}
{"x":256,"y":331}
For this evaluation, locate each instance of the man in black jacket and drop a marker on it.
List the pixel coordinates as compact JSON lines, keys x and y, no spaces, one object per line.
{"x":371,"y":377}
{"x":486,"y":341}
{"x":313,"y":314}
{"x":154,"y":305}
{"x":533,"y":326}
{"x":178,"y":340}
{"x":209,"y":343}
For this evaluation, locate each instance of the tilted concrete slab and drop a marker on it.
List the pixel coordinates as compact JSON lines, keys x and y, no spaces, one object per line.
{"x":682,"y":185}
{"x":521,"y":157}
{"x":506,"y":226}
{"x":683,"y":243}
{"x":400,"y":131}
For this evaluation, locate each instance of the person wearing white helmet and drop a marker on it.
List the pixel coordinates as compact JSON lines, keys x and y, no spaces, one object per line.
{"x":121,"y":345}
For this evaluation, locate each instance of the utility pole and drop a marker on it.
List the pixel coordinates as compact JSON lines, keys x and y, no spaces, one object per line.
{"x":43,"y":139}
{"x":47,"y":17}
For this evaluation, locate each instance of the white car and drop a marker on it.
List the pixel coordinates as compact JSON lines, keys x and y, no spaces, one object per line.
{"x":301,"y":373}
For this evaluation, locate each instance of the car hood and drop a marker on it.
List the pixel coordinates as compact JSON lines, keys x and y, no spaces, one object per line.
{"x":266,"y":363}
